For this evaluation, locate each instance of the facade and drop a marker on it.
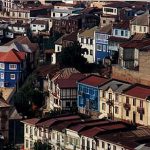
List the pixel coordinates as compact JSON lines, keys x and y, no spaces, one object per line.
{"x":136,"y":104}
{"x":12,"y":68}
{"x":120,"y":34}
{"x":101,"y":43}
{"x":86,"y":40}
{"x":63,"y":9}
{"x":63,"y":90}
{"x":129,"y":53}
{"x":111,"y":103}
{"x":88,"y":95}
{"x":73,"y":132}
{"x":140,"y":24}
{"x":64,"y":41}
{"x":37,"y":26}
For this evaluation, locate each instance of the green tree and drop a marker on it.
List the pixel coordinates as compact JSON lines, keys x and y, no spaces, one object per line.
{"x":72,"y":56}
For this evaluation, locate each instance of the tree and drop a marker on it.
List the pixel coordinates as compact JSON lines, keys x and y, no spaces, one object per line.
{"x":72,"y":56}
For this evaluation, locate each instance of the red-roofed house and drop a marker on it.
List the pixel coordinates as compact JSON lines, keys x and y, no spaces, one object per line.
{"x":63,"y":90}
{"x":136,"y":104}
{"x":88,"y":94}
{"x":12,"y":65}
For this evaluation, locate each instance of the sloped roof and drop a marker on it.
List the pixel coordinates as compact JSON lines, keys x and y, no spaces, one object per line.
{"x":12,"y":56}
{"x":3,"y":103}
{"x":115,"y":85}
{"x":88,"y":32}
{"x":141,"y":20}
{"x":93,"y":80}
{"x":139,"y":91}
{"x":24,"y":40}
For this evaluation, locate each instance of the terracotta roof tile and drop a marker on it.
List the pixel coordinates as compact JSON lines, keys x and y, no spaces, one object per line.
{"x":32,"y":121}
{"x":12,"y":56}
{"x":139,"y":91}
{"x":93,"y":80}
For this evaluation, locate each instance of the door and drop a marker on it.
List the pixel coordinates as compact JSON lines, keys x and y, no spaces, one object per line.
{"x":134,"y":117}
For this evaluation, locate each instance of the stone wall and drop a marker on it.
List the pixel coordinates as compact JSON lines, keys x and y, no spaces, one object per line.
{"x":144,"y":63}
{"x":130,"y":75}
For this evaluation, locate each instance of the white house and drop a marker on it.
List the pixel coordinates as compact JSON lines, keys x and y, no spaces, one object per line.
{"x":86,"y":39}
{"x":38,"y":25}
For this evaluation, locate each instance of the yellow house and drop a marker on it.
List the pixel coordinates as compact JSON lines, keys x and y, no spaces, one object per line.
{"x":136,"y":104}
{"x":111,"y":99}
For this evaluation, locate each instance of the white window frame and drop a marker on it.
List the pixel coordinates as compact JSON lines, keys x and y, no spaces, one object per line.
{"x":12,"y":78}
{"x":2,"y":66}
{"x":2,"y":75}
{"x":12,"y":68}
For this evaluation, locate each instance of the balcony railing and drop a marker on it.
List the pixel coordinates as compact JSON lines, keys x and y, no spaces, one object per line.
{"x":140,"y":110}
{"x":109,"y":102}
{"x":127,"y":106}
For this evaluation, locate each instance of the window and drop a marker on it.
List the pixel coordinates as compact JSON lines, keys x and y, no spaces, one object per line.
{"x":12,"y":66}
{"x":40,"y":132}
{"x":140,"y":29}
{"x":67,"y":104}
{"x":104,"y":94}
{"x":103,"y":144}
{"x":2,"y":75}
{"x":104,"y":21}
{"x":141,"y":103}
{"x":88,"y":143}
{"x":19,"y":14}
{"x":35,"y":131}
{"x":134,"y":28}
{"x":82,"y":40}
{"x":93,"y":145}
{"x":104,"y":48}
{"x":61,"y":15}
{"x":91,"y":41}
{"x":87,"y":41}
{"x":116,"y":110}
{"x":110,"y":96}
{"x":134,"y":101}
{"x":103,"y":106}
{"x":83,"y":141}
{"x":144,"y":29}
{"x":122,"y":33}
{"x":12,"y":76}
{"x":98,"y":47}
{"x":53,"y":136}
{"x":127,"y":100}
{"x":27,"y":143}
{"x":26,"y":128}
{"x":58,"y":48}
{"x":31,"y":144}
{"x":2,"y":66}
{"x":91,"y":52}
{"x":141,"y":116}
{"x":114,"y":147}
{"x":127,"y":113}
{"x":126,"y":33}
{"x":116,"y":32}
{"x":109,"y":146}
{"x":42,"y":26}
{"x":53,"y":14}
{"x":30,"y":130}
{"x":116,"y":97}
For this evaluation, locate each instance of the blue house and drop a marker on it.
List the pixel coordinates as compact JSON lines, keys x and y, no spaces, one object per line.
{"x":120,"y":33}
{"x":11,"y":68}
{"x":101,"y":43}
{"x":88,"y":94}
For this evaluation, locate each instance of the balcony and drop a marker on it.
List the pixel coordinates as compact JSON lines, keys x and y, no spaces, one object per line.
{"x":127,"y":106}
{"x":140,"y":110}
{"x":109,"y":102}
